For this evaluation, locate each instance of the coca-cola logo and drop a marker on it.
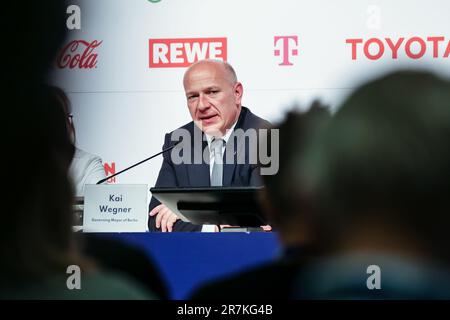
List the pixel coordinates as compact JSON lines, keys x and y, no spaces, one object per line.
{"x":78,"y":54}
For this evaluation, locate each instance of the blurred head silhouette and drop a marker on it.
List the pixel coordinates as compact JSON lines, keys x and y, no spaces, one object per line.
{"x":62,"y":100}
{"x":287,"y":204}
{"x":381,"y":168}
{"x":36,"y":240}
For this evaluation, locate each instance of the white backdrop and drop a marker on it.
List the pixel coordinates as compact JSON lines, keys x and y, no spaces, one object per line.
{"x":123,"y":107}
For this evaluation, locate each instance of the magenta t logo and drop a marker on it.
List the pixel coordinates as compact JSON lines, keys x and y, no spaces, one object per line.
{"x":286,"y":51}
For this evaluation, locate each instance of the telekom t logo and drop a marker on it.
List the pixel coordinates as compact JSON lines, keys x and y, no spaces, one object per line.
{"x":287,"y":50}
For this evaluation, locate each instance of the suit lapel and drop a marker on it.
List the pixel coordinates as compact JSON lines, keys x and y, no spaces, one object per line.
{"x":230,"y":168}
{"x":198,"y":173}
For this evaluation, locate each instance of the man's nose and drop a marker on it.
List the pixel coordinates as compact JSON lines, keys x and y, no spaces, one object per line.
{"x":203,"y":102}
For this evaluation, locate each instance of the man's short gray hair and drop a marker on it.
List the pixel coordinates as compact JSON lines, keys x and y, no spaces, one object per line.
{"x":225,"y":64}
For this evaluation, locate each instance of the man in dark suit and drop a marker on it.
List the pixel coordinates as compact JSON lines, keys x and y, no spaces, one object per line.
{"x":214,"y":100}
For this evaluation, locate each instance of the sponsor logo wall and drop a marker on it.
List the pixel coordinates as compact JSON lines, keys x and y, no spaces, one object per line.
{"x":123,"y":62}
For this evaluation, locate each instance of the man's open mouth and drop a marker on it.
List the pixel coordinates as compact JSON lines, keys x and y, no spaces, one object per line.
{"x":208,"y":119}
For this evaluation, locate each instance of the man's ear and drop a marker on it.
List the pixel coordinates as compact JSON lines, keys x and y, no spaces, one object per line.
{"x":238,"y":90}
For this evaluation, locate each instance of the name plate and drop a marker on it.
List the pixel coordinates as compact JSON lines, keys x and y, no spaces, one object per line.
{"x":115,"y":208}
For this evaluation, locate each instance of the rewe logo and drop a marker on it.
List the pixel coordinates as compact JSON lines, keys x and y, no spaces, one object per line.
{"x":110,"y":169}
{"x":288,"y":48}
{"x":173,"y":53}
{"x":413,"y":48}
{"x":79,"y":54}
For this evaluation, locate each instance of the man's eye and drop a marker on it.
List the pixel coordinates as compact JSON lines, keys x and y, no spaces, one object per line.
{"x":191,"y":97}
{"x":213,"y":91}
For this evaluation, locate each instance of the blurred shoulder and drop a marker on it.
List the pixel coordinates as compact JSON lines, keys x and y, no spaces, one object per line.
{"x":92,"y":286}
{"x":84,"y":155}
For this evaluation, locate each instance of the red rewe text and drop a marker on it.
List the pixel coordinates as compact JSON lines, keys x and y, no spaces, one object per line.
{"x":173,"y":53}
{"x":413,"y":48}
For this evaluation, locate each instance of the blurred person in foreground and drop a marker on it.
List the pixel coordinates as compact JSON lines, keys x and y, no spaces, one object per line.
{"x":109,"y":253}
{"x":85,"y":168}
{"x":288,"y":210}
{"x":37,"y":246}
{"x":379,"y":174}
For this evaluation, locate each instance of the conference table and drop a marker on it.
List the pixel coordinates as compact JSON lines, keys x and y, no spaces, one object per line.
{"x":187,"y":260}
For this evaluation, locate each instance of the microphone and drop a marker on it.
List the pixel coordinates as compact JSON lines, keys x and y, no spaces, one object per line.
{"x":136,"y":164}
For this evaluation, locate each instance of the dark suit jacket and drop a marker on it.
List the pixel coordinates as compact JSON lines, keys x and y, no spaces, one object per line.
{"x":197,"y":175}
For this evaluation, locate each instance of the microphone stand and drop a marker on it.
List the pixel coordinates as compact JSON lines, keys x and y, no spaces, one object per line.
{"x":136,"y":164}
